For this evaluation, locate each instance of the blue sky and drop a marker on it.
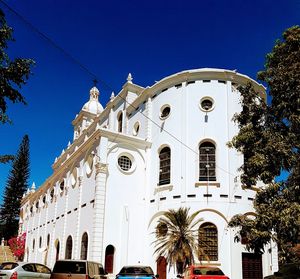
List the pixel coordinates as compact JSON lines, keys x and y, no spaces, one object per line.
{"x":150,"y":39}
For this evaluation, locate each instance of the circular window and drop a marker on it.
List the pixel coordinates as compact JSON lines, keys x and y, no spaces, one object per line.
{"x":165,"y":111}
{"x":207,"y":104}
{"x":124,"y":163}
{"x":136,"y":128}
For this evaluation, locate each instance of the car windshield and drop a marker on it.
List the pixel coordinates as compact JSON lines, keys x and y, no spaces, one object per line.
{"x":136,"y":270}
{"x":69,"y":267}
{"x":206,"y":270}
{"x":8,"y":266}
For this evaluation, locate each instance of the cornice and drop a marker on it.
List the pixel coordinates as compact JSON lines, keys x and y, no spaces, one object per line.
{"x":197,"y":74}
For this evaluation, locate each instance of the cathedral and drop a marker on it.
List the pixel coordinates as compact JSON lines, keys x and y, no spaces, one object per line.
{"x":150,"y":149}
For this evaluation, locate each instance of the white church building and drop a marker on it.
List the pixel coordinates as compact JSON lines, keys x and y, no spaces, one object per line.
{"x":149,"y":150}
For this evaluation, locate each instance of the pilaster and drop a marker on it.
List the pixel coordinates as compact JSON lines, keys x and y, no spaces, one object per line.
{"x":149,"y":116}
{"x":77,"y":239}
{"x":99,"y":212}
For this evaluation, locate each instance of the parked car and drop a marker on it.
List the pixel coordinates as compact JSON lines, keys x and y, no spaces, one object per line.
{"x":287,"y":271}
{"x":203,"y":272}
{"x":19,"y":270}
{"x":128,"y":272}
{"x":77,"y":269}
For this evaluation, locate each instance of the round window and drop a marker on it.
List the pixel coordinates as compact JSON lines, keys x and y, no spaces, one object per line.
{"x":207,"y":104}
{"x":124,"y":163}
{"x":165,"y":111}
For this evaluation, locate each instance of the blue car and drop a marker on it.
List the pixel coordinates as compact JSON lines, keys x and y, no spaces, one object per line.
{"x":136,"y":271}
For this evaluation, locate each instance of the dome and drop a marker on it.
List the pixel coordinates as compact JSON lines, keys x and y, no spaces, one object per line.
{"x":93,"y":105}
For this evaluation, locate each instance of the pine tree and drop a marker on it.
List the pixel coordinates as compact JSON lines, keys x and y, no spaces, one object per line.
{"x":16,"y":185}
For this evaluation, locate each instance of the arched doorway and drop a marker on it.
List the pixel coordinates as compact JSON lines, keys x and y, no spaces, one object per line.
{"x":109,"y":259}
{"x":161,"y":267}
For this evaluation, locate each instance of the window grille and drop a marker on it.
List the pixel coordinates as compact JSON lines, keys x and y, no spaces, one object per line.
{"x":207,"y":162}
{"x":208,"y":242}
{"x":164,"y":166}
{"x":124,"y":163}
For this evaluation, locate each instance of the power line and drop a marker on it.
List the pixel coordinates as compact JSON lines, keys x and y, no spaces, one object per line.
{"x":96,"y":78}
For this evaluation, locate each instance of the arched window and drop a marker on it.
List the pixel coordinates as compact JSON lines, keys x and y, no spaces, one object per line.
{"x":164,"y":166}
{"x":69,"y":246}
{"x":57,"y":249}
{"x":207,"y":162}
{"x":84,"y":247}
{"x":208,"y":242}
{"x":120,"y":122}
{"x":48,"y":240}
{"x":109,"y":259}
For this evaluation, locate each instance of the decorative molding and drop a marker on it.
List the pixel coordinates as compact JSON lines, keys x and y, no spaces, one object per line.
{"x":101,"y":168}
{"x":252,"y":188}
{"x":158,"y":189}
{"x":201,"y":184}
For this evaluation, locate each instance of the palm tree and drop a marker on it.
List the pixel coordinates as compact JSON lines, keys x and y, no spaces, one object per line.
{"x":177,"y":237}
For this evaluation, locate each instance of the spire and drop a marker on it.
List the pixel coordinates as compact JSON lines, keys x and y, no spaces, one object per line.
{"x":129,"y":78}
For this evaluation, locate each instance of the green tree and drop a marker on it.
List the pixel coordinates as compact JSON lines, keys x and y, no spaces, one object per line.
{"x":13,"y":75}
{"x":269,"y":138}
{"x":177,"y":237}
{"x":16,"y":185}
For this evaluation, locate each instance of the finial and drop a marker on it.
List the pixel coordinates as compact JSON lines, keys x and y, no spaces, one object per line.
{"x":63,"y":151}
{"x":129,"y":78}
{"x":28,"y":191}
{"x":55,"y":160}
{"x":95,"y":81}
{"x":69,"y":144}
{"x":33,"y":187}
{"x":94,"y":93}
{"x":112,"y":96}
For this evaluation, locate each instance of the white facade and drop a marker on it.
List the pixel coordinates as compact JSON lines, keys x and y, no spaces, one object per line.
{"x":89,"y":193}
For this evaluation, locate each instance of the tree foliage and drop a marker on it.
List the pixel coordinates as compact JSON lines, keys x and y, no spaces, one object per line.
{"x":16,"y":185}
{"x":13,"y":75}
{"x":269,"y":138}
{"x":177,"y":237}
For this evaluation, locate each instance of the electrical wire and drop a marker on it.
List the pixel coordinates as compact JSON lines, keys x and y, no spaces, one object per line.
{"x":96,"y":78}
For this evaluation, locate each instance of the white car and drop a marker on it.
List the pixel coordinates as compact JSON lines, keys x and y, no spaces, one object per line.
{"x":22,"y":270}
